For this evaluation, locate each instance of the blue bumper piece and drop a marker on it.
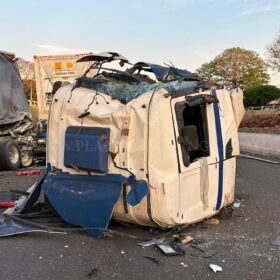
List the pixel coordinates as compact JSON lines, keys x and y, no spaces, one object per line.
{"x":138,"y":191}
{"x":85,"y":201}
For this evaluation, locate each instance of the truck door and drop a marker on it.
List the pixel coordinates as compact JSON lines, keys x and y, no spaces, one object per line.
{"x":193,"y":138}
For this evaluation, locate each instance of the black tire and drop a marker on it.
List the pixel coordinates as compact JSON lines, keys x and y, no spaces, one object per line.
{"x":10,"y":155}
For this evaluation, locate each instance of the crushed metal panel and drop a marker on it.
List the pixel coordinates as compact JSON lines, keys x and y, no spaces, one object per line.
{"x":86,"y":201}
{"x":138,"y":191}
{"x":11,"y":227}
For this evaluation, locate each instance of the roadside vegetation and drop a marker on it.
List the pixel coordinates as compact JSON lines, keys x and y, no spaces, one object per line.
{"x":261,"y":121}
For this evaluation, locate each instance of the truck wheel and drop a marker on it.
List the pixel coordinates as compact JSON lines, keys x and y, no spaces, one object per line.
{"x":26,"y":158}
{"x":10,"y":155}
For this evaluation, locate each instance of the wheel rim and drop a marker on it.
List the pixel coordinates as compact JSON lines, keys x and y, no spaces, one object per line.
{"x":13,"y":155}
{"x":26,"y":158}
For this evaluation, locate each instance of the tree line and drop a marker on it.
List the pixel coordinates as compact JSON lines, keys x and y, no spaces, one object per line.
{"x":238,"y":67}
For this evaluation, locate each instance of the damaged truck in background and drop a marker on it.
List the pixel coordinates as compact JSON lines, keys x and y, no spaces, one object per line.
{"x":150,"y":145}
{"x":19,"y":136}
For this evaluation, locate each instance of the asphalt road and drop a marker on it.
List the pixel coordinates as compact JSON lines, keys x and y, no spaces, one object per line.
{"x":242,"y":242}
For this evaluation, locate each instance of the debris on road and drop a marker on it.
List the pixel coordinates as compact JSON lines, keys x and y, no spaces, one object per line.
{"x":276,"y":242}
{"x":92,"y":273}
{"x":215,"y":268}
{"x":29,"y":172}
{"x":152,"y":259}
{"x":170,"y":249}
{"x":184,"y":264}
{"x":15,"y":226}
{"x":205,"y":254}
{"x":212,"y":221}
{"x":198,"y":248}
{"x":183,"y":239}
{"x":150,"y":242}
{"x":6,"y":204}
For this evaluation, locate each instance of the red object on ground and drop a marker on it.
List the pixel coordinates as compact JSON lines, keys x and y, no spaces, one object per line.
{"x":6,"y":204}
{"x":28,"y":172}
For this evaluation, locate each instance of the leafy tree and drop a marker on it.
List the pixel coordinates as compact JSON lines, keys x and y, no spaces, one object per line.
{"x":236,"y":67}
{"x":274,"y":54}
{"x":260,"y":95}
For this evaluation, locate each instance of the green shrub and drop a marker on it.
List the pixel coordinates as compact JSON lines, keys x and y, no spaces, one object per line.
{"x":260,"y":95}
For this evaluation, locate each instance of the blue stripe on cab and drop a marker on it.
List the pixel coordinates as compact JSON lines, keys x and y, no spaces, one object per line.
{"x":220,"y":151}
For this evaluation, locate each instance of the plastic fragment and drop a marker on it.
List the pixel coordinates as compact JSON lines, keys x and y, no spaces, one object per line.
{"x":216,"y":268}
{"x":184,"y":264}
{"x":6,"y":204}
{"x":186,"y":239}
{"x":236,"y":204}
{"x":149,"y":242}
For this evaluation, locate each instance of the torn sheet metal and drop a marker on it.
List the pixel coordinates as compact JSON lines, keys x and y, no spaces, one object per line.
{"x":11,"y":227}
{"x":138,"y":191}
{"x":170,"y":249}
{"x":86,"y":201}
{"x":164,"y":73}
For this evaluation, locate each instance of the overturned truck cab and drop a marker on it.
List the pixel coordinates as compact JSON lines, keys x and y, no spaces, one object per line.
{"x":152,"y":145}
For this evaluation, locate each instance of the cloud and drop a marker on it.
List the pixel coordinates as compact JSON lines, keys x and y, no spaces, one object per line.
{"x":59,"y":49}
{"x":260,"y":9}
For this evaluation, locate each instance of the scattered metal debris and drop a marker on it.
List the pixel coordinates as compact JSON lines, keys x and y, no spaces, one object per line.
{"x":152,"y":259}
{"x":198,"y":248}
{"x":170,"y":249}
{"x":215,"y":268}
{"x":14,"y":226}
{"x":150,"y":242}
{"x":199,"y":241}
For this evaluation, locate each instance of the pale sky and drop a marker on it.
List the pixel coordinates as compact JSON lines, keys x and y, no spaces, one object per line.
{"x":185,"y":32}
